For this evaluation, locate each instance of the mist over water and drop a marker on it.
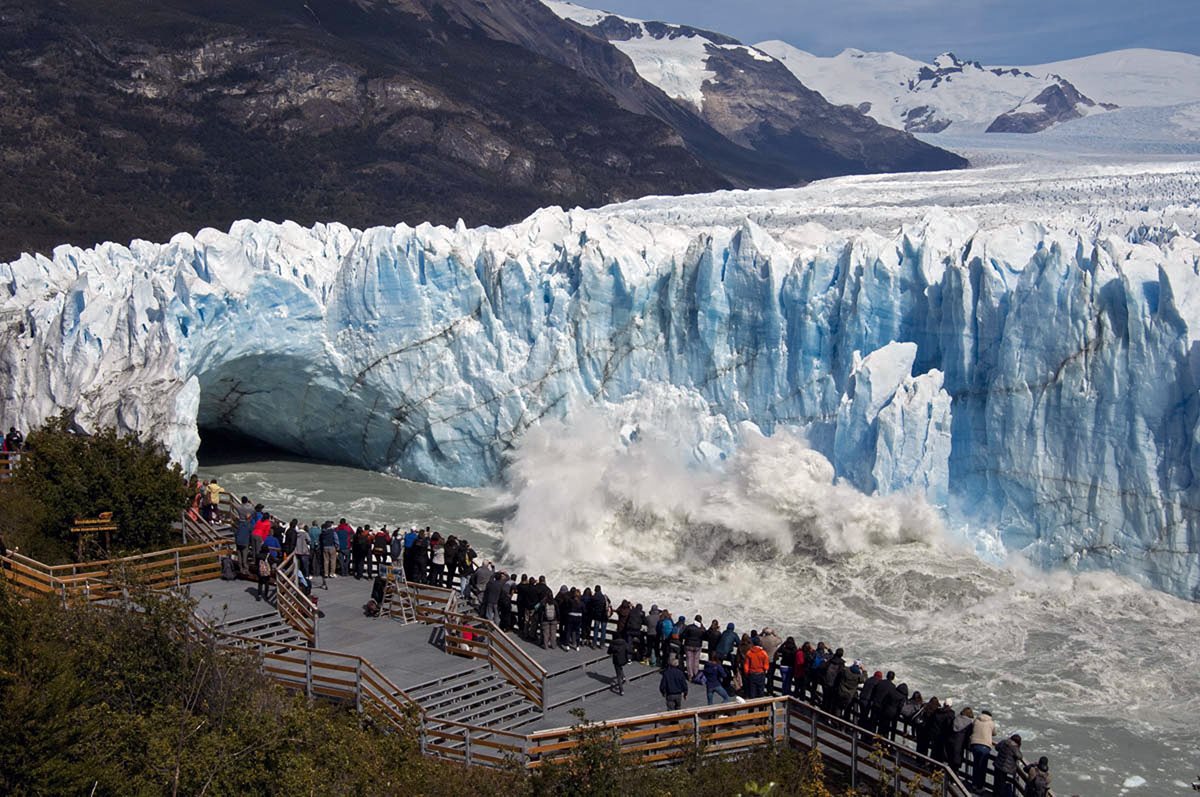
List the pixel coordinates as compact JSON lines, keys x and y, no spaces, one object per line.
{"x":677,"y":508}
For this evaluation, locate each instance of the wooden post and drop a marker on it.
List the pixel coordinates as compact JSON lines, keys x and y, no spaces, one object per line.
{"x":178,"y":575}
{"x":358,"y":685}
{"x":467,"y":745}
{"x":696,"y":731}
{"x":854,"y":760}
{"x":896,"y":773}
{"x":308,"y":679}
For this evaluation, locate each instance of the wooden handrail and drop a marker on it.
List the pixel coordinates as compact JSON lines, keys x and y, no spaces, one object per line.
{"x":296,"y":609}
{"x":505,"y":656}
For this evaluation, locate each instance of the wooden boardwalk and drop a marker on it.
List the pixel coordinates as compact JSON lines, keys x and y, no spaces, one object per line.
{"x":491,"y":700}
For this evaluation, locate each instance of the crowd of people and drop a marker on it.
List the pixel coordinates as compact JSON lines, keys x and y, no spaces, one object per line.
{"x":694,"y":655}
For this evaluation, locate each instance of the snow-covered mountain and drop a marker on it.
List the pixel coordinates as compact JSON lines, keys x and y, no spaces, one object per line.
{"x":949,"y":93}
{"x":752,"y":100}
{"x":1038,"y":377}
{"x":965,"y":96}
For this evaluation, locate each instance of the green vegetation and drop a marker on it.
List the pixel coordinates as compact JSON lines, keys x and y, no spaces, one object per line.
{"x":107,"y":700}
{"x":65,"y":475}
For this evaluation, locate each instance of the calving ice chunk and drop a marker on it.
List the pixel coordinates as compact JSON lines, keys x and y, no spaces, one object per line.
{"x":1035,"y":377}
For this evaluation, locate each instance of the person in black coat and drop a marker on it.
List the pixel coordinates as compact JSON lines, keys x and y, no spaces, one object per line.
{"x":941,"y":725}
{"x":889,"y":710}
{"x":864,"y":700}
{"x":673,"y":686}
{"x":619,"y":650}
{"x":831,"y":679}
{"x":885,"y":690}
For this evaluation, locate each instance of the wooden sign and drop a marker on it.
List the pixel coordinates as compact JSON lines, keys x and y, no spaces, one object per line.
{"x":103,"y":524}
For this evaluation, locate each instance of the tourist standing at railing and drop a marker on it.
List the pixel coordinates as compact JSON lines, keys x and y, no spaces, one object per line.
{"x":420,"y":557}
{"x":598,"y":611}
{"x":574,"y":615}
{"x":847,"y":691}
{"x":784,"y":660}
{"x":1037,"y":778}
{"x":437,"y":560}
{"x":830,"y":678}
{"x":290,"y":535}
{"x":548,"y":614}
{"x":344,"y":534}
{"x":360,"y":549}
{"x":692,"y":637}
{"x":884,"y":692}
{"x":302,"y":551}
{"x":956,"y":743}
{"x":981,"y":748}
{"x":941,"y":725}
{"x":1008,"y":760}
{"x":923,"y":723}
{"x":450,"y":555}
{"x":490,"y":605}
{"x":317,"y":565}
{"x":635,"y":631}
{"x":755,"y":669}
{"x":889,"y":711}
{"x":800,"y":670}
{"x":410,"y":537}
{"x":865,"y":719}
{"x":14,"y":441}
{"x":329,"y":551}
{"x":770,"y":642}
{"x":241,"y":533}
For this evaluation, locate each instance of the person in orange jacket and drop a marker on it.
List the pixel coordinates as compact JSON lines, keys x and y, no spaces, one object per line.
{"x":755,"y":668}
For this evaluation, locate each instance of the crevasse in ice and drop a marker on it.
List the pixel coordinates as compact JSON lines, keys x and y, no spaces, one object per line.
{"x":1035,"y":379}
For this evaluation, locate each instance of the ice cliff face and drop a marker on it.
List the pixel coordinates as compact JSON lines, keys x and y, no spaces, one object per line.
{"x":1025,"y":375}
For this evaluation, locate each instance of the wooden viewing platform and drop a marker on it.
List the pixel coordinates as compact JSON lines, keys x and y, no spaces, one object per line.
{"x":479,"y":695}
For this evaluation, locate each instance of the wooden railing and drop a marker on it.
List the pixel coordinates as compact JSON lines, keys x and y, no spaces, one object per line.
{"x":105,"y":579}
{"x":296,"y":608}
{"x":329,"y":674}
{"x":473,"y":745}
{"x":478,"y":638}
{"x":9,"y":460}
{"x":197,"y":530}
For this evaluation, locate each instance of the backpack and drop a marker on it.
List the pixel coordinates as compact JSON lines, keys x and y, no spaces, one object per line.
{"x":700,"y":679}
{"x":549,"y":612}
{"x":832,"y":671}
{"x":264,"y":566}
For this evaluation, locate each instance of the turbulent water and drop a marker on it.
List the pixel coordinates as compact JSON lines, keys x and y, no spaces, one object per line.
{"x":1093,"y":670}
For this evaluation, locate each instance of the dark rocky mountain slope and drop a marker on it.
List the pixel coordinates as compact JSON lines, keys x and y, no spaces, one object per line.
{"x":141,"y":118}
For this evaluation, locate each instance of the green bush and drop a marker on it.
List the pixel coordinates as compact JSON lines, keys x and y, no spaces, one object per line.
{"x":65,"y":475}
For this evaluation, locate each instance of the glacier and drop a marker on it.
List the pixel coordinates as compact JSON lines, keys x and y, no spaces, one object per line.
{"x":1032,"y":365}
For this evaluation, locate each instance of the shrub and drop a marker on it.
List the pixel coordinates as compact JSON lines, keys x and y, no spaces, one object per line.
{"x":66,"y":474}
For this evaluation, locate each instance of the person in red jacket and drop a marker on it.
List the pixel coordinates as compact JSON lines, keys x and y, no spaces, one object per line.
{"x":755,"y":668}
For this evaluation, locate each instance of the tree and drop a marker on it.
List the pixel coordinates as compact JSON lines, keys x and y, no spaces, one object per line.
{"x":66,"y":474}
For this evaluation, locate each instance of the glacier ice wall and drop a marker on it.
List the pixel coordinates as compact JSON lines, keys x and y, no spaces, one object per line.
{"x":1038,"y":378}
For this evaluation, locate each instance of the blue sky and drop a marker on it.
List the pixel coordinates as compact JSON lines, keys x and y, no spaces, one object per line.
{"x":992,"y":31}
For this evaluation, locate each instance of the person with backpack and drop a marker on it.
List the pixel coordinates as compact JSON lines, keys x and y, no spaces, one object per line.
{"x":726,"y":643}
{"x":548,"y":613}
{"x":800,"y":670}
{"x":317,"y":565}
{"x":910,"y":712}
{"x":450,"y":557}
{"x":1037,"y":778}
{"x":381,"y":548}
{"x":268,"y":557}
{"x":831,"y":678}
{"x":635,"y":635}
{"x":889,"y":711}
{"x":847,"y":690}
{"x":923,"y":725}
{"x":344,"y":535}
{"x":618,"y":649}
{"x":666,"y":627}
{"x":960,"y":731}
{"x":241,"y":534}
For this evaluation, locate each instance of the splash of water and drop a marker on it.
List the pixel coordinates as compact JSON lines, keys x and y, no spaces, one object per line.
{"x":646,"y":476}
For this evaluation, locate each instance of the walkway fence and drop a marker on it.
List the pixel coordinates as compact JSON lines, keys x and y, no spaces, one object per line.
{"x":297,"y":609}
{"x":101,"y":580}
